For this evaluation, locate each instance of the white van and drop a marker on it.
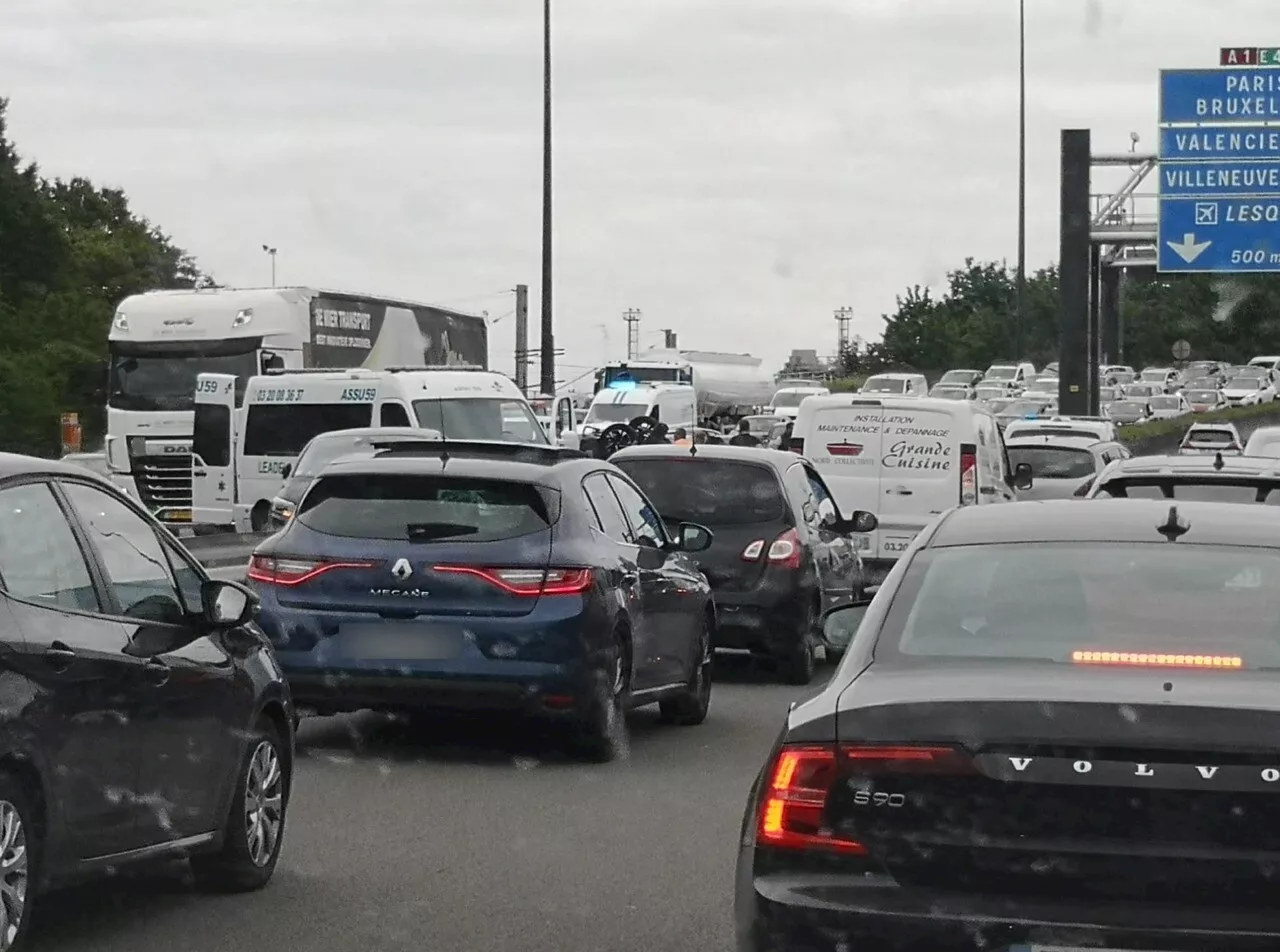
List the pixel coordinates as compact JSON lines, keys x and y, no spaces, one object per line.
{"x":239,"y":454}
{"x":786,"y":401}
{"x":675,"y":404}
{"x":1267,"y":362}
{"x":904,"y":459}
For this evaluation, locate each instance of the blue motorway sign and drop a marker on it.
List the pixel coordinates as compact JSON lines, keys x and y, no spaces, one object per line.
{"x":1219,"y":235}
{"x":1220,"y":178}
{"x":1219,"y":142}
{"x":1217,"y":96}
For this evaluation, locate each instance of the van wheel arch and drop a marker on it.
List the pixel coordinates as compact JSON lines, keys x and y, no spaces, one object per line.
{"x":260,"y":515}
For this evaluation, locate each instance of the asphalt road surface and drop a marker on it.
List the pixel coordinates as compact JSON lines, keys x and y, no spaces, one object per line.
{"x":476,"y":835}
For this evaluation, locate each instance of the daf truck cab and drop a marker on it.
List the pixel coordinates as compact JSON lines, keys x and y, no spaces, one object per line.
{"x":161,"y":341}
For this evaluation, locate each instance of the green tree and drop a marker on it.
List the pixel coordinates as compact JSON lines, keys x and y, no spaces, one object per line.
{"x":69,"y":252}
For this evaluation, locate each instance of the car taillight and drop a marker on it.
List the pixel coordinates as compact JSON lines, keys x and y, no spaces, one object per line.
{"x":968,"y":474}
{"x":794,"y":802}
{"x":293,"y":571}
{"x":532,"y":582}
{"x":784,"y":551}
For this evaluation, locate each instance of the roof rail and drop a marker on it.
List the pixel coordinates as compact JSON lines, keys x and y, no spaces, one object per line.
{"x":470,"y":367}
{"x":277,"y":371}
{"x":492,"y":449}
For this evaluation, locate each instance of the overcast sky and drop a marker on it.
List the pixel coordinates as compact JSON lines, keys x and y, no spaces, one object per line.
{"x":736,"y":169}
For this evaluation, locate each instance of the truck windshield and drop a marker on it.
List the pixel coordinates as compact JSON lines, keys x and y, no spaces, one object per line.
{"x":163,"y":377}
{"x":481,"y":419}
{"x":672,"y":374}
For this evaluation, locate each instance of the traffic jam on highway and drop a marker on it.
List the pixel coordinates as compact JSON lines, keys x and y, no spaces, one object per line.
{"x":1031,"y":712}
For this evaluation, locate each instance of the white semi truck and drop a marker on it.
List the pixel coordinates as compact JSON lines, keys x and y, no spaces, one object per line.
{"x":727,"y":386}
{"x":161,"y":341}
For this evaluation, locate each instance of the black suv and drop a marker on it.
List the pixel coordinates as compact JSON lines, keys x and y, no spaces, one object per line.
{"x":780,"y":555}
{"x":121,"y":657}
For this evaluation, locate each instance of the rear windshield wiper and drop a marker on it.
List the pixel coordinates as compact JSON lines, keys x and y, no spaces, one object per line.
{"x":426,"y":531}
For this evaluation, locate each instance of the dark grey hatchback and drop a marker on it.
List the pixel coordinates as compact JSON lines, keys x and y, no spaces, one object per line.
{"x":142,"y":712}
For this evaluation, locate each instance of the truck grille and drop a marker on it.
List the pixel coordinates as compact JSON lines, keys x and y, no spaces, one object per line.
{"x":164,"y":483}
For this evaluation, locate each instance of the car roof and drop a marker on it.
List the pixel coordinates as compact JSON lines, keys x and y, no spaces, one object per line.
{"x":1108,"y":520}
{"x":1198,"y":466}
{"x":15,"y":464}
{"x":778,"y":459}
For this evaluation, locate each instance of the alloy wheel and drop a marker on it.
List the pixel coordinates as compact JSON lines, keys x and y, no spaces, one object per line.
{"x":14,"y":866}
{"x":263,"y":803}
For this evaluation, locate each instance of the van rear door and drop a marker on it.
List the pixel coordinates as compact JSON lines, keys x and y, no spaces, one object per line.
{"x":213,"y":457}
{"x":844,"y":444}
{"x":919,"y":472}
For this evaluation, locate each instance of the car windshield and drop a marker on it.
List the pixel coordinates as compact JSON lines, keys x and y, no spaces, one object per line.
{"x":990,"y":393}
{"x":1155,"y":376}
{"x":614,"y":412}
{"x":481,"y":419}
{"x":884,"y":385}
{"x":791,"y":398}
{"x":1202,"y":396}
{"x":1001,"y":373}
{"x":958,"y":376}
{"x":1053,"y":462}
{"x":1128,"y":408}
{"x":761,"y":424}
{"x":1165,"y":403}
{"x":949,"y":393}
{"x":1044,"y":385}
{"x":706,"y":491}
{"x":1023,"y":408}
{"x":1203,"y":383}
{"x":1048,"y":601}
{"x":1244,"y":383}
{"x":1107,"y":394}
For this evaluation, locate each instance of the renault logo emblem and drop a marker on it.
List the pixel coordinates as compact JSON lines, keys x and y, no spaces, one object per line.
{"x":402,"y":569}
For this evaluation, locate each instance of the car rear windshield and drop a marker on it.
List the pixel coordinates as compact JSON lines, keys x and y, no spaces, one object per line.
{"x":1244,"y":383}
{"x":1243,"y":489}
{"x":1044,"y":601}
{"x":1030,"y":431}
{"x":1202,"y":396}
{"x":1210,"y":437}
{"x":423,"y":508}
{"x":709,"y":492}
{"x":882,"y":385}
{"x":1053,"y":462}
{"x":1164,"y":403}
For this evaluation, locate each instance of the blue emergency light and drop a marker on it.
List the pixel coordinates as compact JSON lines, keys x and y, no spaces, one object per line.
{"x":622,"y":382}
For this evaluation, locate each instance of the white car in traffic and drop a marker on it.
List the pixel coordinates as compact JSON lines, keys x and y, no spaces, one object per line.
{"x":1249,"y":391}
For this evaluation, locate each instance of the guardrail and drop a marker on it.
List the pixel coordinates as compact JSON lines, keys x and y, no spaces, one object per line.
{"x":225,"y":549}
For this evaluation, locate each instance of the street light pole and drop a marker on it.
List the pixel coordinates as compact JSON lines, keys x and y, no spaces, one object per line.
{"x":271,"y":252}
{"x":1021,"y":318}
{"x":548,"y":382}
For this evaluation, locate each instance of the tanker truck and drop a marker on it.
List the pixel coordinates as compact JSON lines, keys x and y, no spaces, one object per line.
{"x":726,"y":386}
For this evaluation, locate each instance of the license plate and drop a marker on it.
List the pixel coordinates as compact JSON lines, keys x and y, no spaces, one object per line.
{"x":861,"y":542}
{"x":896,"y":543}
{"x":401,"y":641}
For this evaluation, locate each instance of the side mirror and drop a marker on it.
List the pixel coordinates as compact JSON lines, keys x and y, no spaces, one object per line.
{"x":839,"y":624}
{"x":227,"y":604}
{"x":691,"y":537}
{"x":272,"y":361}
{"x":1021,"y":478}
{"x":860,"y":521}
{"x":288,"y":468}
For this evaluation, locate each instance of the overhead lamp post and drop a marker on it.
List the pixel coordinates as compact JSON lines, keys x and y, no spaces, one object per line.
{"x":1020,"y":320}
{"x":548,"y":382}
{"x":271,"y":252}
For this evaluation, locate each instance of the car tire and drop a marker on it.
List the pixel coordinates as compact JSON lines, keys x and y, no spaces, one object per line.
{"x":689,"y":708}
{"x":254,"y":830}
{"x":20,"y":854}
{"x":798,"y":665}
{"x":600,"y":736}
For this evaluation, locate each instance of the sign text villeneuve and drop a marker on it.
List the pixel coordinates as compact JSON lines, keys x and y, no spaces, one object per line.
{"x":1220,"y":165}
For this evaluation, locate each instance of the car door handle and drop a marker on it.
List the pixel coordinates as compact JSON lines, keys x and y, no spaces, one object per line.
{"x":157,"y":671}
{"x":59,"y":656}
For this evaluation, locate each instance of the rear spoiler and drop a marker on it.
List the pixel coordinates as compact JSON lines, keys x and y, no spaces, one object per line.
{"x":492,"y":449}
